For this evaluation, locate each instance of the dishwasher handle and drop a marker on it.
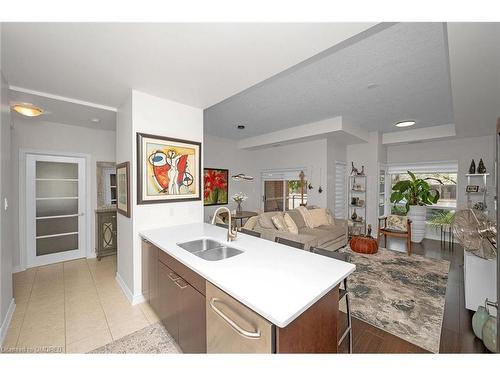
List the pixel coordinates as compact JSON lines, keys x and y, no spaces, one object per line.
{"x":236,"y":327}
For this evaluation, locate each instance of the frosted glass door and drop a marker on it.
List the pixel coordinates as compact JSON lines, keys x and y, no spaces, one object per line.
{"x":54,"y":205}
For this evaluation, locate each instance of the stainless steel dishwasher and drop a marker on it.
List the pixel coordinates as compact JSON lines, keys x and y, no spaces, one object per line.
{"x":234,"y":328}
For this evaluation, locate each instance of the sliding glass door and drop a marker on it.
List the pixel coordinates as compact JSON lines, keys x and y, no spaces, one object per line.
{"x":282,"y":191}
{"x":55,"y":202}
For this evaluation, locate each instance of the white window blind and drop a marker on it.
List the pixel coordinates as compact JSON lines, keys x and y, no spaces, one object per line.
{"x":431,"y":167}
{"x":340,"y":190}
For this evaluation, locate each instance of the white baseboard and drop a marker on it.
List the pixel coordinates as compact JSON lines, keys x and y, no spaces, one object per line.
{"x":133,"y":299}
{"x":6,"y":322}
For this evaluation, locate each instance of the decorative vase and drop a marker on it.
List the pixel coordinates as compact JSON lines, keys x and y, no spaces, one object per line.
{"x":417,"y":217}
{"x":490,"y":334}
{"x":354,"y":215}
{"x":472,"y":168}
{"x":481,"y":168}
{"x":478,"y":320}
{"x":238,"y":208}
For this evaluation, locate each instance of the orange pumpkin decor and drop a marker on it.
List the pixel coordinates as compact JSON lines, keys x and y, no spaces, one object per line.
{"x":364,"y":245}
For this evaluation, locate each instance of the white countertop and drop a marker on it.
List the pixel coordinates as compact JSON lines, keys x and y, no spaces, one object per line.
{"x":276,"y":281}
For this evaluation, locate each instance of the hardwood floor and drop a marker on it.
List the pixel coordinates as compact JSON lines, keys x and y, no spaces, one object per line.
{"x":456,"y":335}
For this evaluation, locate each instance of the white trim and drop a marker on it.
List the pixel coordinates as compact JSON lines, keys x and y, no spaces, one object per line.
{"x":89,"y":251}
{"x":17,"y":269}
{"x":133,"y":299}
{"x":63,"y":98}
{"x":6,"y":322}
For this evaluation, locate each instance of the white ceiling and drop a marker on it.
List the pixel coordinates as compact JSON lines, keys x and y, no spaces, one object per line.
{"x":65,"y":112}
{"x":196,"y":64}
{"x":407,"y":61}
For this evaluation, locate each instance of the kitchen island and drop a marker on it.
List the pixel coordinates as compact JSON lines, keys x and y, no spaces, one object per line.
{"x":288,"y":296}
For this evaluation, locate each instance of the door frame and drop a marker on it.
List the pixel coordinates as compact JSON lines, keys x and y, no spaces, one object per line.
{"x":23,"y":220}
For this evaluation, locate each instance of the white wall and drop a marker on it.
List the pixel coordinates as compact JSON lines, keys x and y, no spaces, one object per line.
{"x":144,"y":113}
{"x":463,"y":150}
{"x":311,"y":156}
{"x":6,"y":216}
{"x":36,"y":134}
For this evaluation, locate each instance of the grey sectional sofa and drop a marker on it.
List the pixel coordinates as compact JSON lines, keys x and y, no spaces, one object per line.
{"x":330,"y":237}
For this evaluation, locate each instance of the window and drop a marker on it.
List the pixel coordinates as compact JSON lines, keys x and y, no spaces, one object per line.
{"x":282,"y":190}
{"x":441,"y":176}
{"x":340,"y":190}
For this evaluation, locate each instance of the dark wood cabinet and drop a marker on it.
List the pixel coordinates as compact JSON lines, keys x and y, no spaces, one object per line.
{"x":179,"y":305}
{"x":169,"y":299}
{"x":192,"y":322}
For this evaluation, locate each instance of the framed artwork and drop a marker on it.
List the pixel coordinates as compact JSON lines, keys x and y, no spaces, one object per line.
{"x":215,"y":186}
{"x":123,"y":188}
{"x":168,"y":169}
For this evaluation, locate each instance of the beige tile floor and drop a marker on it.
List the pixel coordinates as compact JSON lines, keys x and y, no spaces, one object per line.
{"x":72,"y":307}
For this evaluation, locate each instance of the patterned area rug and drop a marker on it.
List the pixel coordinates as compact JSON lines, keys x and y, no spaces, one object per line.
{"x":403,"y":295}
{"x":153,"y":339}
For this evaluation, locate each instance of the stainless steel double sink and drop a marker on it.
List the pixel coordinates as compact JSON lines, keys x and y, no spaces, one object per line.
{"x":208,"y":249}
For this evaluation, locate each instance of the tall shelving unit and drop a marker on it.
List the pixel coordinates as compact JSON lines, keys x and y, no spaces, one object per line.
{"x":357,"y":189}
{"x":473,"y":179}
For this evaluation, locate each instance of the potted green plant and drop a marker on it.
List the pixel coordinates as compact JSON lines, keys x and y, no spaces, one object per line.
{"x":416,"y":194}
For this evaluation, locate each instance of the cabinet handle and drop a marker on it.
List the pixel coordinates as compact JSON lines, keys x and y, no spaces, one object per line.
{"x":236,"y":327}
{"x":173,"y":276}
{"x":183,"y":285}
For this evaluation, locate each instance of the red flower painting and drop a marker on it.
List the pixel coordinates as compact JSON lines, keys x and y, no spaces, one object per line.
{"x":215,"y":184}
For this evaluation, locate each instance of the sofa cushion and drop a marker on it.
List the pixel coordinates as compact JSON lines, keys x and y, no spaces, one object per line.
{"x":297,"y":218}
{"x":324,"y":234}
{"x":319,"y":217}
{"x":251,"y":222}
{"x":290,"y":224}
{"x":265,"y":220}
{"x":279,"y":222}
{"x":306,"y":215}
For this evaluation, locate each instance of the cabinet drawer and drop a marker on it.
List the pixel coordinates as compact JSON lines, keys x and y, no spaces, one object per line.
{"x":186,"y":273}
{"x":234,"y":328}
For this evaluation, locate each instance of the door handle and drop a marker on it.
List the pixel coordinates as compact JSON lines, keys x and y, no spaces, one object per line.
{"x":241,"y":331}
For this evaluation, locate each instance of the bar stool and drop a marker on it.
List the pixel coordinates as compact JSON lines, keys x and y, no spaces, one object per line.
{"x":284,"y":241}
{"x":342,"y":292}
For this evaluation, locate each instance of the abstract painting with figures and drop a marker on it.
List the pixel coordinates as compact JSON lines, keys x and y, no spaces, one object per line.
{"x":168,"y":169}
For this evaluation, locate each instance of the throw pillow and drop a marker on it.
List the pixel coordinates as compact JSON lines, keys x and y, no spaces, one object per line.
{"x":279,"y":223}
{"x":290,"y":224}
{"x":251,"y":222}
{"x":331,"y":220}
{"x":319,"y":217}
{"x":306,"y":215}
{"x":396,"y":222}
{"x":265,"y":221}
{"x":296,"y":216}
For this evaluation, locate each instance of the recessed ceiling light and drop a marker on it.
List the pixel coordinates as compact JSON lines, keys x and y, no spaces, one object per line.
{"x":372,"y":86}
{"x":405,"y":123}
{"x":27,"y":109}
{"x":240,"y":127}
{"x":95,"y":119}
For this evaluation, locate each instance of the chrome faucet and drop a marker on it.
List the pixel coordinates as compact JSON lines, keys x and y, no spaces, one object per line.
{"x":231,"y":233}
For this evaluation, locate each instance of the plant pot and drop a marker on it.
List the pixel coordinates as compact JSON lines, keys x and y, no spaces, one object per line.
{"x":417,"y":217}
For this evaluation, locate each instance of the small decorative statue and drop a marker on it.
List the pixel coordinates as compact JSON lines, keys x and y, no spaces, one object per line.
{"x":369,"y":230}
{"x":362,"y":173}
{"x":354,"y":215}
{"x":472,"y":168}
{"x":354,"y":170}
{"x":481,"y":168}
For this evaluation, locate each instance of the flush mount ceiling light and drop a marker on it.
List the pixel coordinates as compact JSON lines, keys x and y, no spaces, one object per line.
{"x":240,"y":127}
{"x":27,"y":109}
{"x":95,"y":119}
{"x":405,"y":123}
